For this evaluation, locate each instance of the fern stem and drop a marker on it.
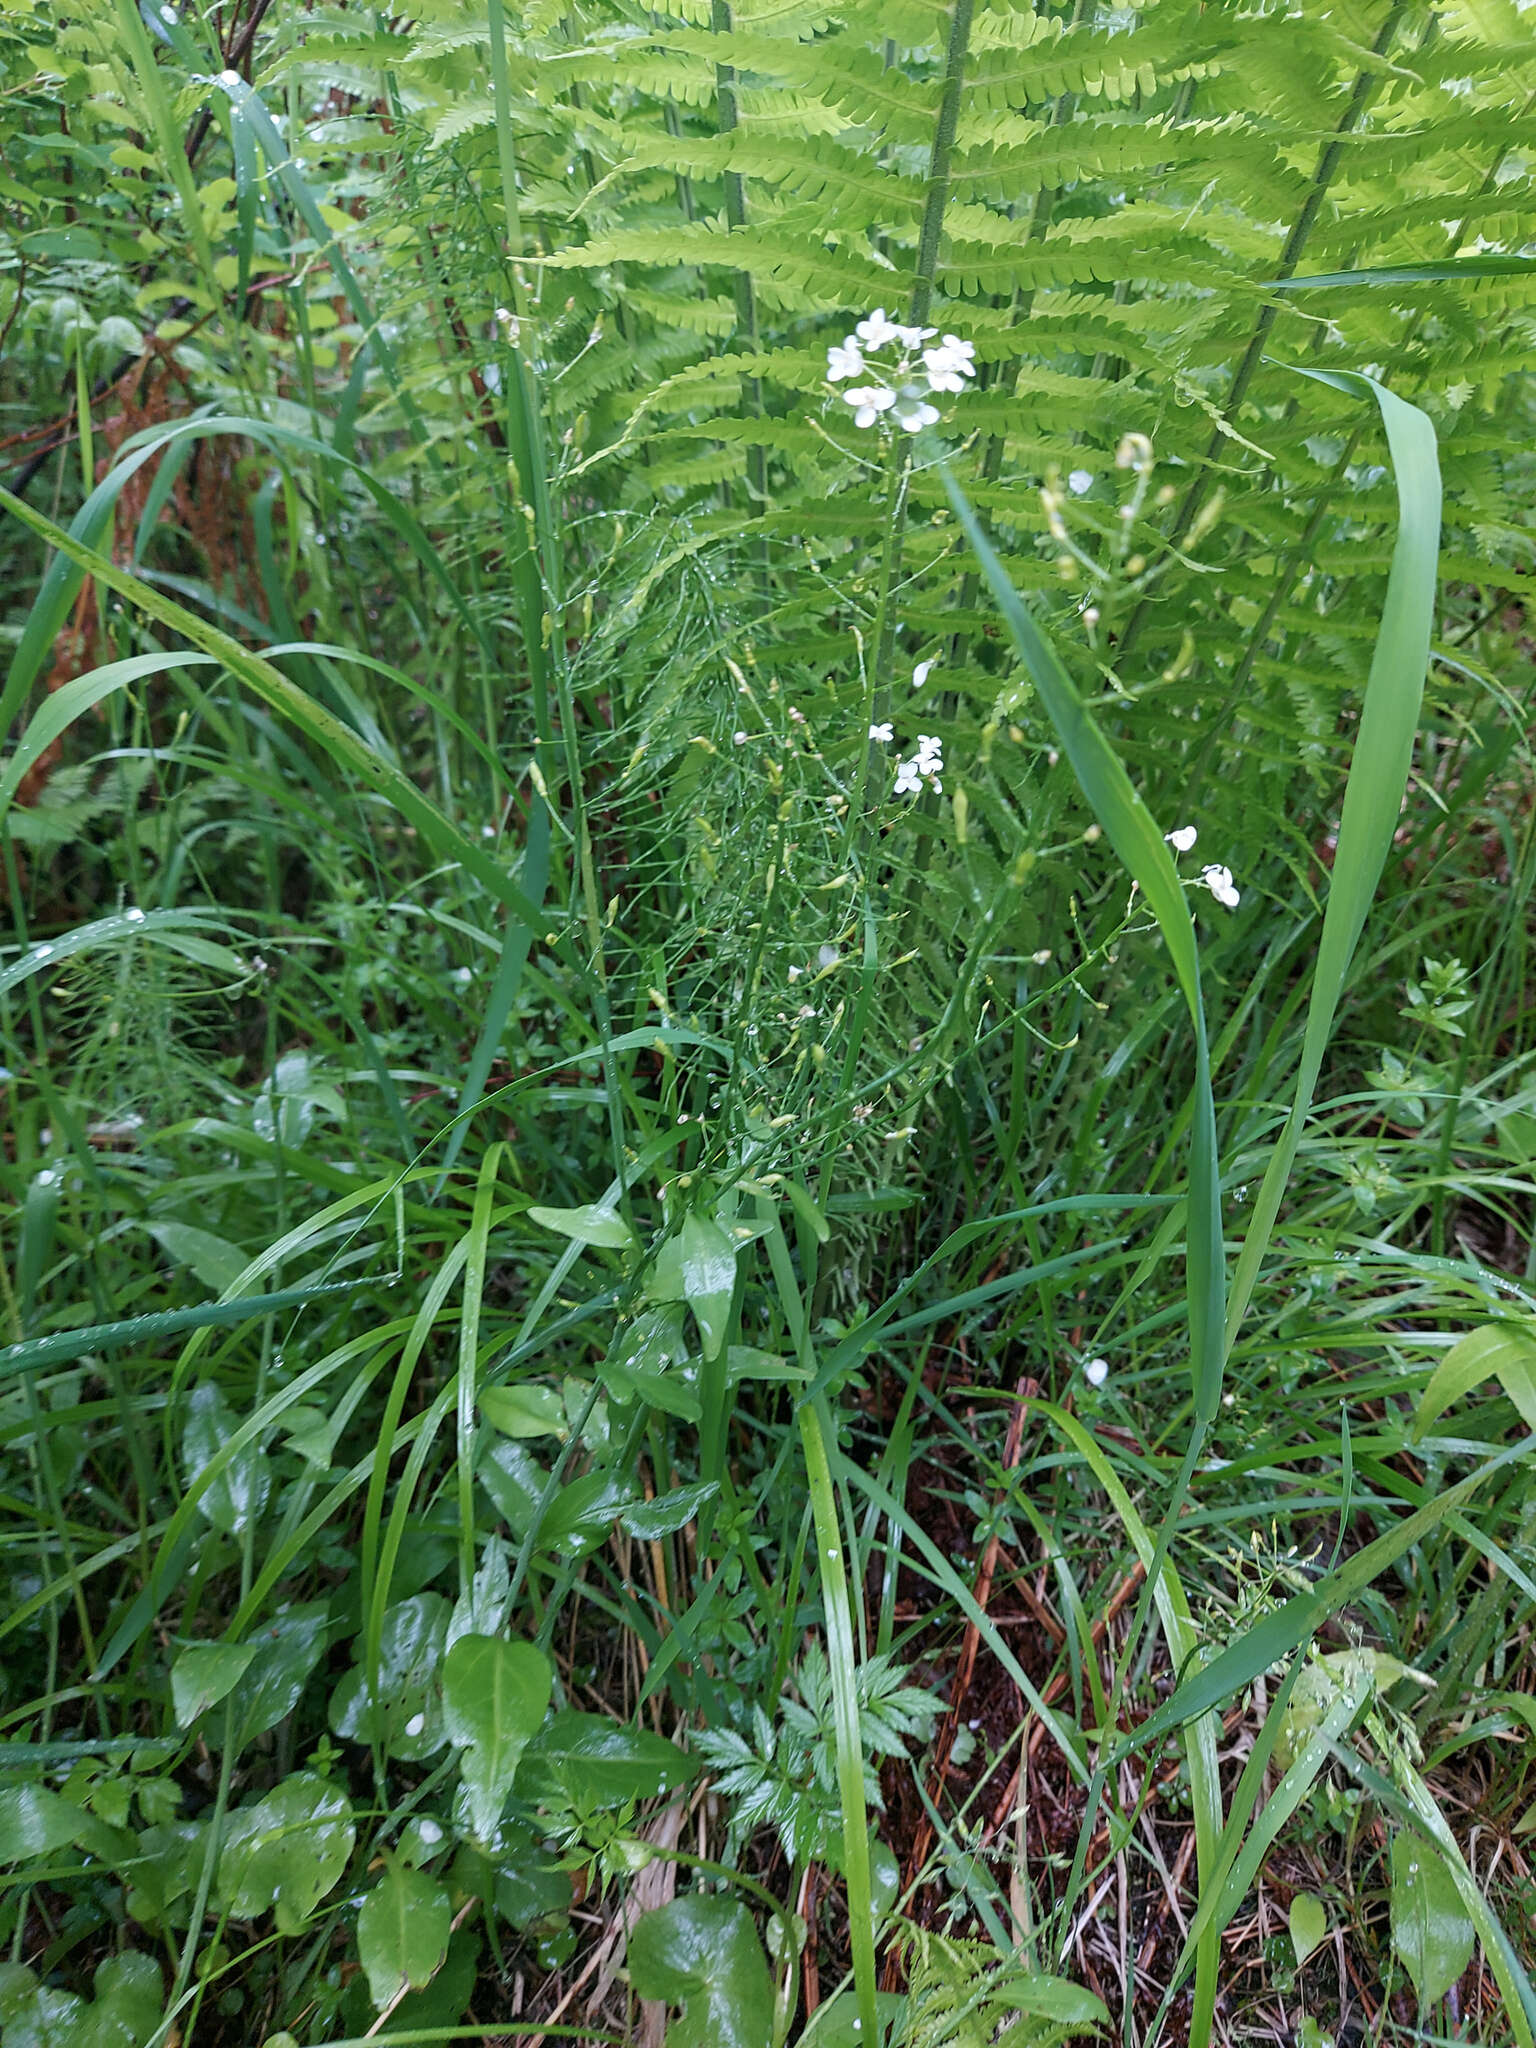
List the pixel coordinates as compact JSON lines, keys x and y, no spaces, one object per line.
{"x":939,"y":162}
{"x":736,"y":219}
{"x":1290,"y":256}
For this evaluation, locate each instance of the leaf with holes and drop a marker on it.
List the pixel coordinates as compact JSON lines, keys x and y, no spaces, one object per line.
{"x":287,"y":1851}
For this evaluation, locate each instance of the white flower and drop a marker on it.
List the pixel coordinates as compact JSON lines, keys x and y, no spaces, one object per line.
{"x":930,"y":754}
{"x":1079,"y":480}
{"x":875,"y":331}
{"x":1183,"y":839}
{"x":868,"y":402}
{"x":740,"y":738}
{"x":844,"y":359}
{"x":827,"y":956}
{"x":1219,"y":881}
{"x":1042,"y":958}
{"x":914,"y":337}
{"x":950,"y":363}
{"x":1096,"y":1371}
{"x":915,"y":413}
{"x":881,"y":733}
{"x":909,"y":778}
{"x":923,"y":670}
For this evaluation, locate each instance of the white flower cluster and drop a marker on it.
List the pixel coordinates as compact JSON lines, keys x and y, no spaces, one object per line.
{"x":1213,"y":877}
{"x":908,"y":376}
{"x":926,"y":765}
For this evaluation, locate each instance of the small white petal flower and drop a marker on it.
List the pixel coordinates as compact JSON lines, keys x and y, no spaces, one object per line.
{"x":868,"y":402}
{"x":909,"y":778}
{"x":797,"y":716}
{"x":913,"y":414}
{"x":508,"y":323}
{"x":930,"y":753}
{"x":1183,"y":839}
{"x":844,"y":359}
{"x":1079,"y":480}
{"x":949,"y":364}
{"x":875,"y":331}
{"x":740,"y":738}
{"x":881,"y":732}
{"x":914,"y":337}
{"x":1219,"y":881}
{"x":827,"y":956}
{"x":1096,"y":1371}
{"x":923,"y":670}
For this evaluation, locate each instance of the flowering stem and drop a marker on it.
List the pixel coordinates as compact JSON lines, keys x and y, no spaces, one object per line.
{"x":877,"y":673}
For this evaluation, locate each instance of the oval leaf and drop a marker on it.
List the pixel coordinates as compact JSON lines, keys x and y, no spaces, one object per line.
{"x":1309,"y":1925}
{"x":702,"y":1952}
{"x":402,"y":1933}
{"x":203,"y":1674}
{"x":494,"y":1698}
{"x":592,"y":1224}
{"x":1430,"y":1928}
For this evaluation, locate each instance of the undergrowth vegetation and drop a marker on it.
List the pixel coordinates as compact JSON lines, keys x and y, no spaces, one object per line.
{"x":767,"y":1042}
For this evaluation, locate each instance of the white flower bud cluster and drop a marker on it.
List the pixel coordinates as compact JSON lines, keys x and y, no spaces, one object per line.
{"x":904,"y":372}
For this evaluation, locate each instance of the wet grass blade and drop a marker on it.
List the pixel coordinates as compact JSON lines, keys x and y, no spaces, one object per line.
{"x":1378,"y":775}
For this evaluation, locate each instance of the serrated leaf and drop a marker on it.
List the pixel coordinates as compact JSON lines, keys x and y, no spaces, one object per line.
{"x":1430,"y":1927}
{"x":702,"y":1952}
{"x":495,"y":1694}
{"x":203,"y":1674}
{"x":591,"y":1224}
{"x":402,"y":1932}
{"x":648,"y":1519}
{"x":1309,"y":1925}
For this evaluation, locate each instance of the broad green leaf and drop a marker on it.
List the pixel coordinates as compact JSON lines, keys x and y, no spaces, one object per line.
{"x":592,"y":1224}
{"x":1309,"y":1925}
{"x":203,"y":1674}
{"x":531,"y":1889}
{"x":645,"y":1363}
{"x":35,"y":1822}
{"x":494,"y":1698}
{"x":407,"y":1717}
{"x":698,"y":1266}
{"x":287,"y":1649}
{"x":668,"y":1511}
{"x":484,"y":1608}
{"x":213,"y":1260}
{"x":583,"y":1511}
{"x":402,"y":1932}
{"x":125,"y":2013}
{"x":836,"y":2024}
{"x":1505,"y":1351}
{"x":287,"y":1851}
{"x":702,"y":1952}
{"x":1324,"y":1680}
{"x":523,"y":1411}
{"x":587,"y":1756}
{"x":1430,"y":1927}
{"x":237,"y":1496}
